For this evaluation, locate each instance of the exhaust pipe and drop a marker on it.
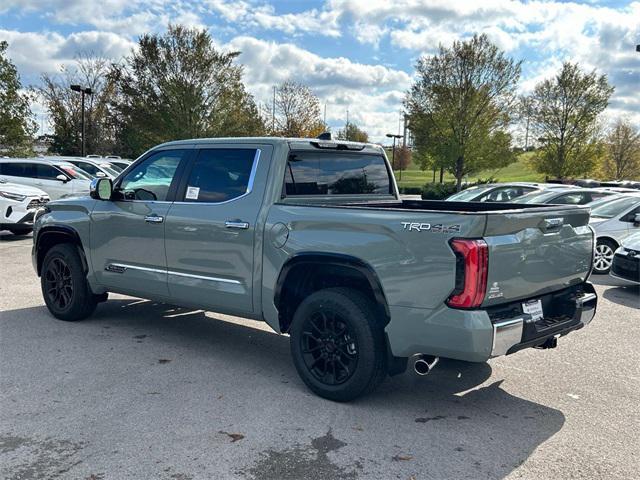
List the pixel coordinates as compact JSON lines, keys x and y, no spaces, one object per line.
{"x":424,"y":364}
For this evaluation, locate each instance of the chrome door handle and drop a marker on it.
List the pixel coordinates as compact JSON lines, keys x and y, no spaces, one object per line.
{"x":154,"y":219}
{"x":236,"y":224}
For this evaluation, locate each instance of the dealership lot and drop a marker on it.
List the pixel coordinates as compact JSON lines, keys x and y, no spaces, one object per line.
{"x":144,"y":390}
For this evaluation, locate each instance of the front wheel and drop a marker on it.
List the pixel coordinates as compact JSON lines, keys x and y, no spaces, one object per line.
{"x":603,"y":256}
{"x":337,"y":344}
{"x":64,"y":285}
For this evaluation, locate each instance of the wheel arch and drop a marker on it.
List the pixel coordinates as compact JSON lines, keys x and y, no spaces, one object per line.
{"x":307,"y":272}
{"x":608,"y":239}
{"x":53,"y":235}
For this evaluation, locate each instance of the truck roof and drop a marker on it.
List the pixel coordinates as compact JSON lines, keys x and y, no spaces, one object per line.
{"x":294,"y":143}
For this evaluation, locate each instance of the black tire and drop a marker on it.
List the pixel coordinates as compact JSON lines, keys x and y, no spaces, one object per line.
{"x":64,"y":285}
{"x":603,"y":256}
{"x":20,"y":230}
{"x":338,"y":345}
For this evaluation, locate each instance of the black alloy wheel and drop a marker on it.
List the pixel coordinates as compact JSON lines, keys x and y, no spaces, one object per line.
{"x":338,"y":344}
{"x":329,"y":347}
{"x":58,"y":283}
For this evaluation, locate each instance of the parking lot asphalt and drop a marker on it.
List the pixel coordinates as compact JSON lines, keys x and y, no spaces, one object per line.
{"x":144,"y":390}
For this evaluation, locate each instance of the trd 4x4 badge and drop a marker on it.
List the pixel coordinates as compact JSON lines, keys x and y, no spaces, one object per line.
{"x":430,"y":227}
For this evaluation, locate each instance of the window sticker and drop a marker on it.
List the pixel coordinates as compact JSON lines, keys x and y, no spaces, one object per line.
{"x":192,"y":193}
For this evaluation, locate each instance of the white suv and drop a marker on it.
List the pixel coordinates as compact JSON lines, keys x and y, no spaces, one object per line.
{"x":18,"y":205}
{"x":57,"y":178}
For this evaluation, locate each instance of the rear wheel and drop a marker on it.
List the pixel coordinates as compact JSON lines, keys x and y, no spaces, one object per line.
{"x":64,"y":285}
{"x":603,"y":256}
{"x":337,"y":344}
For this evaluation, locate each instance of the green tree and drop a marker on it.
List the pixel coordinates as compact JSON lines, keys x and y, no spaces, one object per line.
{"x":460,"y":105}
{"x":65,"y":107}
{"x":622,"y":157}
{"x":353,"y":133}
{"x":175,"y":86}
{"x":17,"y":127}
{"x":297,"y":111}
{"x":564,"y":114}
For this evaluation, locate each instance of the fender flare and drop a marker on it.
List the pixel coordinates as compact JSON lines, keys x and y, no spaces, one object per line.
{"x":334,"y":259}
{"x":63,"y":230}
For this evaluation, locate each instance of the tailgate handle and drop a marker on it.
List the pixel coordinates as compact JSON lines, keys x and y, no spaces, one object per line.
{"x":553,"y":223}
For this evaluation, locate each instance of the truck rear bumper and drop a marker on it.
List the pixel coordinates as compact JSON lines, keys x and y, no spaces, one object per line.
{"x":477,"y":335}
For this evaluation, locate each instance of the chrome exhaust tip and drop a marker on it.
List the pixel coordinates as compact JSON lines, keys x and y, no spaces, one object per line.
{"x":424,"y":364}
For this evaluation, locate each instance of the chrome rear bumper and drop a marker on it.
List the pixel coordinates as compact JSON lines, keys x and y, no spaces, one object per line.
{"x":509,"y":335}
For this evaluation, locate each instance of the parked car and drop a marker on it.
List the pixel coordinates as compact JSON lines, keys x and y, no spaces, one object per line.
{"x":93,"y":166}
{"x":501,"y":192}
{"x":18,"y":205}
{"x":312,"y":237}
{"x":626,"y":260}
{"x":613,"y":221}
{"x":119,"y":164}
{"x":55,"y":177}
{"x":569,"y":196}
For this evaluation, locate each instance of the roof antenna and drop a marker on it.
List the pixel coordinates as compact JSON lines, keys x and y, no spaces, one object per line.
{"x":325,"y":136}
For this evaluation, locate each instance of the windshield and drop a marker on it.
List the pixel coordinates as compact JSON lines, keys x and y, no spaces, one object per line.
{"x":110,"y":169}
{"x":536,"y":197}
{"x":614,"y":208}
{"x":74,"y":172}
{"x":468,"y":194}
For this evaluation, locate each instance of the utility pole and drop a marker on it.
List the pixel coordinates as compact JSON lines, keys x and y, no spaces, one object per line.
{"x":83,"y":91}
{"x":273,"y":112}
{"x":393,"y":150}
{"x":404,"y":131}
{"x":346,"y":127}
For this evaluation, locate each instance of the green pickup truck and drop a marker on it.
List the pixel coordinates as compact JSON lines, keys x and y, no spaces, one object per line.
{"x":312,"y":237}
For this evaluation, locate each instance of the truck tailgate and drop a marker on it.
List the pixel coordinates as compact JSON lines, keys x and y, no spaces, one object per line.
{"x":533,"y":253}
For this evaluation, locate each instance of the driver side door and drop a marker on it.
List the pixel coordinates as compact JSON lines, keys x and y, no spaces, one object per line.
{"x":127,"y":232}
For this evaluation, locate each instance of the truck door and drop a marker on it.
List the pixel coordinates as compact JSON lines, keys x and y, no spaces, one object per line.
{"x":127,"y":233}
{"x":212,"y":227}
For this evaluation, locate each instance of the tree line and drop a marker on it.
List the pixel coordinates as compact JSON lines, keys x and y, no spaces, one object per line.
{"x":174,"y":85}
{"x":462,"y":108}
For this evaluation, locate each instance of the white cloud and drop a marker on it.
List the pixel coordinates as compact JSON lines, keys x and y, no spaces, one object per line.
{"x":36,"y":53}
{"x":372,"y":93}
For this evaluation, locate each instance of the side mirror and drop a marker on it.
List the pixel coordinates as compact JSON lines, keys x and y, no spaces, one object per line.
{"x":636,"y":220}
{"x":101,"y":189}
{"x":101,"y":174}
{"x":62,"y":178}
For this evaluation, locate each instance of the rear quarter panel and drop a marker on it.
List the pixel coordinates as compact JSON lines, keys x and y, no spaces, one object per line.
{"x":416,"y":267}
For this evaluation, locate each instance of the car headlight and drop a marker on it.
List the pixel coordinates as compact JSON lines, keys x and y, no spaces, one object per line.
{"x":13,"y":196}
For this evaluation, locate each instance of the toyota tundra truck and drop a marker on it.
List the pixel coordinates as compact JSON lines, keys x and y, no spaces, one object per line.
{"x":312,"y":237}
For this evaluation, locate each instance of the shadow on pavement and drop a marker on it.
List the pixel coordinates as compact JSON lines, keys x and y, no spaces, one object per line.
{"x":6,"y":236}
{"x":450,"y":424}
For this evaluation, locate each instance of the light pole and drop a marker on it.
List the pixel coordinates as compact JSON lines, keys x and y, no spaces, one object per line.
{"x":83,"y":91}
{"x":393,"y":150}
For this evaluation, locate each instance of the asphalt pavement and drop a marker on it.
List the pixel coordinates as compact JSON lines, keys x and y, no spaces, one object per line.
{"x":150,"y":391}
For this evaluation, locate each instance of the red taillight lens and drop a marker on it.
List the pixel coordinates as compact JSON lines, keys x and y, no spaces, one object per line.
{"x":472,"y":263}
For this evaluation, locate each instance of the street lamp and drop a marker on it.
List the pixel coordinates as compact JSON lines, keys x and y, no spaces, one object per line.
{"x":83,"y":91}
{"x":393,"y":151}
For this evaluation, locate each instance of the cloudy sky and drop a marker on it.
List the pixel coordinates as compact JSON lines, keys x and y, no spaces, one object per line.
{"x":357,"y":55}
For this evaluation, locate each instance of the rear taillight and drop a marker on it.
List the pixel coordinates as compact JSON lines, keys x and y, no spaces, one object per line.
{"x":472,"y":263}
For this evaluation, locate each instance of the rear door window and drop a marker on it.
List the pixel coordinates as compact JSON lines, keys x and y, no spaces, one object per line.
{"x":333,"y":173}
{"x":220,"y":174}
{"x":17,"y":169}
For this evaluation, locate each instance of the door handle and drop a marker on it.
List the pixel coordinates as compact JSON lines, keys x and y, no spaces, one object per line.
{"x":154,"y":219}
{"x":240,"y":225}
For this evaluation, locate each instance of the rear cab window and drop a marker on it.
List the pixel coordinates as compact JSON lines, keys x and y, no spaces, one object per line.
{"x":333,"y":172}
